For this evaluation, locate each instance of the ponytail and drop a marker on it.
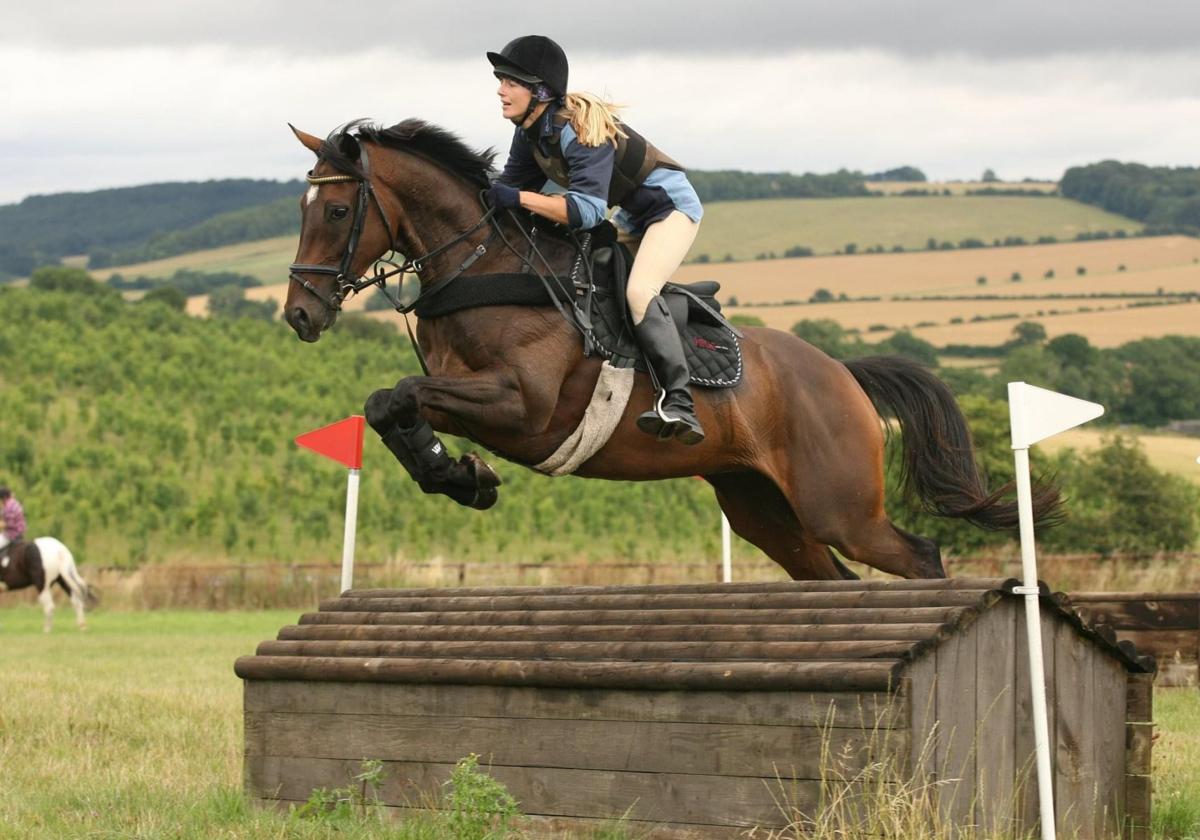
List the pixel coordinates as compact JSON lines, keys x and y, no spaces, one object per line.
{"x":594,"y":119}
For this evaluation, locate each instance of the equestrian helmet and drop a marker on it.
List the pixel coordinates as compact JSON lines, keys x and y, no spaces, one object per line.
{"x":533,"y":59}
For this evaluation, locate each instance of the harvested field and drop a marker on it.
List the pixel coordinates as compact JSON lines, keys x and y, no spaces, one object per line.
{"x":956,"y":272}
{"x":898,"y":315}
{"x":1108,"y":328}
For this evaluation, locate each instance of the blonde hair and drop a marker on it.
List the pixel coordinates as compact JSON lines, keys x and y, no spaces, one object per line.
{"x":594,"y":119}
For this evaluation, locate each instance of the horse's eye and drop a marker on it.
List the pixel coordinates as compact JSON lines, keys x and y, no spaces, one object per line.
{"x":338,"y":213}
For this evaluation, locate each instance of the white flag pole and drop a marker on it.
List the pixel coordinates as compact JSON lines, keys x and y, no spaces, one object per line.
{"x":350,"y":532}
{"x":1036,"y":414}
{"x":726,"y":550}
{"x":1033,"y":631}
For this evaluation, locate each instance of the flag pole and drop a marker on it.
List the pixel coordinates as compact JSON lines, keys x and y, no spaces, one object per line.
{"x":349,"y":534}
{"x":1033,"y":632}
{"x":1036,"y":414}
{"x":726,"y":550}
{"x":342,"y":442}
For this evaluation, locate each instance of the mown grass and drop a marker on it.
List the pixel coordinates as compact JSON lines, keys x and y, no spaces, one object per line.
{"x":133,"y":730}
{"x":745,"y":229}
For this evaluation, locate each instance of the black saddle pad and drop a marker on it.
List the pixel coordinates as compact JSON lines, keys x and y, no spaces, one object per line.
{"x":710,"y":343}
{"x":714,"y":355}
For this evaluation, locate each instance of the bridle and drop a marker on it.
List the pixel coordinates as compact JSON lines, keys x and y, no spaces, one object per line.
{"x":347,"y":284}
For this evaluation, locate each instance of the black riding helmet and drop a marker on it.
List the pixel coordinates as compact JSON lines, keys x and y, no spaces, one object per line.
{"x":533,"y":59}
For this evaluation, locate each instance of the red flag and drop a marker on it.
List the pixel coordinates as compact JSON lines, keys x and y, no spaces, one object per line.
{"x":342,"y":441}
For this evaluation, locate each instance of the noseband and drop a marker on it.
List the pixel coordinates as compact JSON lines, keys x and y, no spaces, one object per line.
{"x":347,"y":284}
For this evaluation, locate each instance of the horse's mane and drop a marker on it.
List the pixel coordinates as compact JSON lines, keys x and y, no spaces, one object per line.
{"x":436,"y":144}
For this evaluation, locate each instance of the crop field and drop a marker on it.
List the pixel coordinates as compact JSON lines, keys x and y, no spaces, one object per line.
{"x":134,"y":729}
{"x":958,"y":272}
{"x":1106,"y":323}
{"x":1108,"y":328}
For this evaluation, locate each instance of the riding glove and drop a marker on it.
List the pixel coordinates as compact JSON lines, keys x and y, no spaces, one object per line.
{"x":503,"y":196}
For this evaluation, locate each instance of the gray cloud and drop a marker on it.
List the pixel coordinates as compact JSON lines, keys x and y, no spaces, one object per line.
{"x":1012,"y":29}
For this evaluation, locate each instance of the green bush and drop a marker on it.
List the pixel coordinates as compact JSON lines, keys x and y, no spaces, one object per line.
{"x":1118,"y":502}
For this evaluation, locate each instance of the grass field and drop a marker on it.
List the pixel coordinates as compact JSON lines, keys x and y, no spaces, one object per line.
{"x":744,"y":229}
{"x":133,"y":730}
{"x":266,"y":259}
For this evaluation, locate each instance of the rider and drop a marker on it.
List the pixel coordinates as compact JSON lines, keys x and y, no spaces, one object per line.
{"x":578,"y":141}
{"x":14,"y":519}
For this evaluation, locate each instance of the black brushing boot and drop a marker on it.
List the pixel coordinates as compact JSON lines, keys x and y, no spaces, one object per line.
{"x":674,"y":413}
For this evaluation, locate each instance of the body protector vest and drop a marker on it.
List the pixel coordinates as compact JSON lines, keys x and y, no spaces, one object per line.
{"x":634,"y":159}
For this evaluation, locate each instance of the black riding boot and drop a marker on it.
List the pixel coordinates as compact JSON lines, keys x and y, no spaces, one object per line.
{"x":674,"y":413}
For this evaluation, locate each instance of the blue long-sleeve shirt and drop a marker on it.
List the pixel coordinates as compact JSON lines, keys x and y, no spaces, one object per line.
{"x":590,"y":171}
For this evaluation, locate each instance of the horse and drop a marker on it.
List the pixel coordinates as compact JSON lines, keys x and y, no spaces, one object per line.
{"x":795,"y":452}
{"x":41,"y":564}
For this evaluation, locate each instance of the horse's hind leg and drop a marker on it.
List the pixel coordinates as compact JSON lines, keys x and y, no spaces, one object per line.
{"x":759,"y":513}
{"x":76,"y":601}
{"x":853,"y":522}
{"x":46,"y":598}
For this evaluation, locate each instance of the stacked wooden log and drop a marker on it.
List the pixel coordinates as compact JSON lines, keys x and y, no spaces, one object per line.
{"x":1165,"y":625}
{"x":699,"y":710}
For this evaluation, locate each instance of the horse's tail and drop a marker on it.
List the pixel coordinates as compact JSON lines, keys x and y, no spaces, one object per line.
{"x":69,"y":573}
{"x":938,"y":461}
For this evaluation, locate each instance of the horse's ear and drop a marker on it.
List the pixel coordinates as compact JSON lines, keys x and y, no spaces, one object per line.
{"x":348,"y":143}
{"x":313,"y":144}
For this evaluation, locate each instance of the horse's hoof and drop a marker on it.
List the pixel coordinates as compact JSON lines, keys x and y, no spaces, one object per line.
{"x":486,"y":481}
{"x":485,"y":476}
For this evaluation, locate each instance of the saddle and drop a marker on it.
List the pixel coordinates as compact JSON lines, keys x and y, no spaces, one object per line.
{"x":592,"y":297}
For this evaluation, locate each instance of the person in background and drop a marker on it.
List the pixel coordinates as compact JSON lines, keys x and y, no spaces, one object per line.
{"x":14,"y":519}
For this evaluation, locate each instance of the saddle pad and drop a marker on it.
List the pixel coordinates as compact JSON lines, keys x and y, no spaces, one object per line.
{"x":714,"y":356}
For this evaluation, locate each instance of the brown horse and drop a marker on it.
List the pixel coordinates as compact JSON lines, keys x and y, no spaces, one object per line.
{"x":795,"y":452}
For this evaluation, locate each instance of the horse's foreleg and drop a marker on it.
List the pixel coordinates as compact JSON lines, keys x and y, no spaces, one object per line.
{"x":397,"y":415}
{"x":46,"y":598}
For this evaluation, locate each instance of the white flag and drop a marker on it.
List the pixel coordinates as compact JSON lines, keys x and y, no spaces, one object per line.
{"x":1036,"y":413}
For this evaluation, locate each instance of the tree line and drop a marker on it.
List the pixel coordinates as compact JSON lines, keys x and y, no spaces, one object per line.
{"x":1166,"y":198}
{"x":43,"y":229}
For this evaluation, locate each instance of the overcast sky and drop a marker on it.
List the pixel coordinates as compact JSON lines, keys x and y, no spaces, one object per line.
{"x":98,"y":94}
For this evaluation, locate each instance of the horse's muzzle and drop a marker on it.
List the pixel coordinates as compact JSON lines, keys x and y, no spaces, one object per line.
{"x":300,"y":321}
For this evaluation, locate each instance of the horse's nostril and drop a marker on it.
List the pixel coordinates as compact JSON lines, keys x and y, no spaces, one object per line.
{"x":298,"y":318}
